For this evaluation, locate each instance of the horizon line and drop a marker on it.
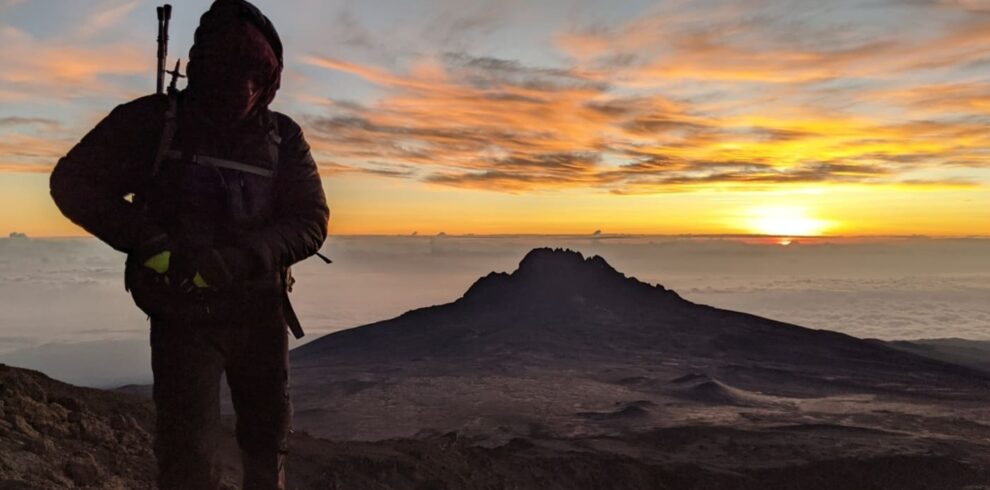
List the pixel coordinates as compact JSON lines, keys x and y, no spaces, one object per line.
{"x":589,"y":235}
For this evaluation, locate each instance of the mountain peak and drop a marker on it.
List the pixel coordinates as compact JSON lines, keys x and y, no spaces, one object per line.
{"x":550,"y":260}
{"x":547,"y":272}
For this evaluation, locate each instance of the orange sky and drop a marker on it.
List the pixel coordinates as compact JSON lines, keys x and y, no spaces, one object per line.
{"x":566,"y":117}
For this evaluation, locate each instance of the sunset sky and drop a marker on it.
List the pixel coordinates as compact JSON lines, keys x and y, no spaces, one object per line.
{"x":779,"y":117}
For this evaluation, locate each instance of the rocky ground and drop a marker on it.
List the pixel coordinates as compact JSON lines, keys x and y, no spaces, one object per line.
{"x":54,"y":435}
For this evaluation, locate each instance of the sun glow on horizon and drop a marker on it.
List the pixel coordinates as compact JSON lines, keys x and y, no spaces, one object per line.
{"x":787,"y":221}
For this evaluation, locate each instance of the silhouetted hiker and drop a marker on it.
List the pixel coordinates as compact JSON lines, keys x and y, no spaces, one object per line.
{"x":225,"y":197}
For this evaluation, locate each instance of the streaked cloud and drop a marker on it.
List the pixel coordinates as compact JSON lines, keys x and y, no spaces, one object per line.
{"x":496,"y":124}
{"x":36,"y":68}
{"x":736,"y":95}
{"x":690,"y":96}
{"x":36,"y":152}
{"x":105,"y":17}
{"x":13,"y":121}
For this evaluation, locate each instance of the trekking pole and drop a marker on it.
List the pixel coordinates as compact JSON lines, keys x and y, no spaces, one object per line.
{"x":164,"y":14}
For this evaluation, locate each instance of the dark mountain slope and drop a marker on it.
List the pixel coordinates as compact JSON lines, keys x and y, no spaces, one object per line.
{"x":559,"y":310}
{"x":566,"y":347}
{"x":965,"y":352}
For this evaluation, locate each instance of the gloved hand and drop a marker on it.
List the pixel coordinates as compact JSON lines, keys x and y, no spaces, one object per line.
{"x":173,"y":268}
{"x":212,"y":268}
{"x":159,"y":262}
{"x":155,"y":254}
{"x":182,"y":269}
{"x":190,"y":268}
{"x":152,"y":248}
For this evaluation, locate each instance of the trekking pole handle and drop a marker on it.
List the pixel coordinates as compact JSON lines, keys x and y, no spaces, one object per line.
{"x":164,"y":14}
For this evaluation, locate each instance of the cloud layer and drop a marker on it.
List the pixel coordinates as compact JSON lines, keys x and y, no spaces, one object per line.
{"x":64,"y":302}
{"x":678,"y":96}
{"x":744,"y":95}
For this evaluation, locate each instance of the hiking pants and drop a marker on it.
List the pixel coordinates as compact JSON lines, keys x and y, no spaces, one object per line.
{"x":187,"y":360}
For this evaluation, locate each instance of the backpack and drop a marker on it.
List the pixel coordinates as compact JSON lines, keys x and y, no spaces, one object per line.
{"x":235,"y":198}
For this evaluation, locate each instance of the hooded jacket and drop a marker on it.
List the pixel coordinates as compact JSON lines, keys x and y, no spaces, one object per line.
{"x":219,"y":16}
{"x":287,"y":213}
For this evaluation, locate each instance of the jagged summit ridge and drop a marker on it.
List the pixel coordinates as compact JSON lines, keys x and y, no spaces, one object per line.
{"x":553,"y":272}
{"x":546,"y":260}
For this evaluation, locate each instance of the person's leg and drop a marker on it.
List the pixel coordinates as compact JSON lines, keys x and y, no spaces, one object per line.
{"x":187,"y":364}
{"x":258,"y":376}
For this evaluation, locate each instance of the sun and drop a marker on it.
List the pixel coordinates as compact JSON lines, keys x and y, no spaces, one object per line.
{"x":788,"y":221}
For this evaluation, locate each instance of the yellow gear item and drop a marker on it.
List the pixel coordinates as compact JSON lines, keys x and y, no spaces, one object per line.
{"x":158,"y":262}
{"x":199,"y":282}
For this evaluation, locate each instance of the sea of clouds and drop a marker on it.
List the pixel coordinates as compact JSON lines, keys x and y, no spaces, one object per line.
{"x":64,"y":310}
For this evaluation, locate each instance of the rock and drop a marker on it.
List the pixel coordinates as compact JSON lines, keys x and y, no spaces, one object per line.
{"x":53,"y":430}
{"x":123,"y":421}
{"x":71,"y":404}
{"x":49,"y":419}
{"x":40,"y":446}
{"x":18,"y":485}
{"x":83,"y":470}
{"x":26,"y":387}
{"x":22,"y":426}
{"x":95,"y":431}
{"x":56,"y":411}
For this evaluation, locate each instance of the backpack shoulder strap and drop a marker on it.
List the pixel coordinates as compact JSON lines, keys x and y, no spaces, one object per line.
{"x":274,"y":143}
{"x":168,"y":133}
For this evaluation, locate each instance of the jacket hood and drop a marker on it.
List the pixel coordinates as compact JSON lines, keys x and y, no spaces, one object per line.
{"x":221,"y":15}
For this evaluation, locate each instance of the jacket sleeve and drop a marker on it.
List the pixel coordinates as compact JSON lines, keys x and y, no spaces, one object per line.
{"x":90,"y":183}
{"x":301,"y":215}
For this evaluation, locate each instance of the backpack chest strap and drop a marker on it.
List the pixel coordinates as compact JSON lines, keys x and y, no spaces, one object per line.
{"x":221,"y":163}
